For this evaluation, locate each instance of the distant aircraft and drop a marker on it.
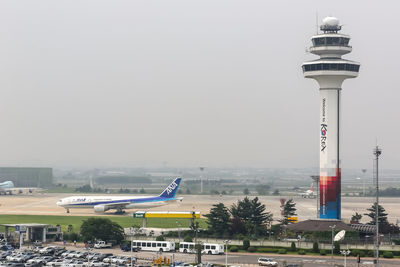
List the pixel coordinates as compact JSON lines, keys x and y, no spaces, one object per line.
{"x":309,"y":193}
{"x":104,"y":203}
{"x":8,"y":187}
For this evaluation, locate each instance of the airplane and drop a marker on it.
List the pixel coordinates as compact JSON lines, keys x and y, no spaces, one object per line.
{"x":101,"y":204}
{"x":309,"y":193}
{"x":8,"y":187}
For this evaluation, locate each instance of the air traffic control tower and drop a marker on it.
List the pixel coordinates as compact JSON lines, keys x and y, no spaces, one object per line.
{"x":330,"y":70}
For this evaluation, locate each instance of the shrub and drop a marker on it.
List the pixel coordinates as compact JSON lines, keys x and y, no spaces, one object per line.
{"x":302,"y":252}
{"x":267,"y":250}
{"x":356,"y":252}
{"x":252,"y":249}
{"x":188,"y":238}
{"x":246,"y":244}
{"x":160,"y":238}
{"x":315,"y":248}
{"x":362,"y":253}
{"x":282,"y":251}
{"x":293,"y":247}
{"x":234,"y":249}
{"x":388,"y":254}
{"x":72,"y":236}
{"x":370,"y":253}
{"x":322,"y":252}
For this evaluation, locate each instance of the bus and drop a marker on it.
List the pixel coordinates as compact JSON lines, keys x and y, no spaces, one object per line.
{"x":214,"y":249}
{"x":146,"y":245}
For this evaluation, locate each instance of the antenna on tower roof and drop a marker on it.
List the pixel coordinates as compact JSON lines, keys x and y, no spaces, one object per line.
{"x":316,"y":21}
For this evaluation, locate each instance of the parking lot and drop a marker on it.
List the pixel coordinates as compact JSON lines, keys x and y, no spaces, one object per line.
{"x":57,"y":255}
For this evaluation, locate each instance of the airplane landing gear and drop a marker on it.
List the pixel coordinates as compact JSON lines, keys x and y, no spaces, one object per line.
{"x":120,"y":211}
{"x":67,"y":210}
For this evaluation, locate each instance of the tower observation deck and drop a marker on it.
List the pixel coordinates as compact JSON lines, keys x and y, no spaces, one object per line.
{"x":330,"y":70}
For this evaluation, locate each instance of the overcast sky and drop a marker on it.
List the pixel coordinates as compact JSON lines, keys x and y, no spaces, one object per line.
{"x":189,"y":83}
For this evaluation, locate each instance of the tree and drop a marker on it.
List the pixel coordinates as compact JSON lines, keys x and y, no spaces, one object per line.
{"x":252,"y":214}
{"x":246,"y":192}
{"x":246,"y":243}
{"x":289,"y":210}
{"x":315,"y":247}
{"x":160,"y":238}
{"x":262,"y":189}
{"x":101,"y":229}
{"x":219,"y":219}
{"x":356,"y":218}
{"x":382,"y":215}
{"x":260,"y":218}
{"x":188,"y":238}
{"x":276,"y":192}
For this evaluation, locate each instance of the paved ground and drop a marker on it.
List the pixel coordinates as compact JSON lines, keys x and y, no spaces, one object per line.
{"x":306,"y":208}
{"x":250,"y":260}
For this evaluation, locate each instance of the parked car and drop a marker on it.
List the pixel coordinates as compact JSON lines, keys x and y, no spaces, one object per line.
{"x":95,"y":264}
{"x":267,"y":262}
{"x":127,"y":247}
{"x":55,"y":262}
{"x":103,"y":244}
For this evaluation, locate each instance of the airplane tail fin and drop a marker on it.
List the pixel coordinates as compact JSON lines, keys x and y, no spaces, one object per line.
{"x":171,"y":190}
{"x":312,"y":187}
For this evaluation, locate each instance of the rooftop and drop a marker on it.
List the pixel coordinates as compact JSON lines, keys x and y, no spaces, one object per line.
{"x":319,"y":226}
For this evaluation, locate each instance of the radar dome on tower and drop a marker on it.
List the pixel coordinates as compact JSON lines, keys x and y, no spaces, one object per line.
{"x":330,"y":24}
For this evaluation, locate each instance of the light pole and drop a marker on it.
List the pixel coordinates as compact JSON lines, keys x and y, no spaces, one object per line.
{"x":333,"y":230}
{"x":179,"y":230}
{"x":226,"y":252}
{"x":345,"y":253}
{"x":131,"y":251}
{"x":201,"y":179}
{"x":377,"y":152}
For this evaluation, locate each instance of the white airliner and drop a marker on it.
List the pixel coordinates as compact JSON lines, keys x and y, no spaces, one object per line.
{"x":8,"y":187}
{"x":309,"y":193}
{"x":120,"y":203}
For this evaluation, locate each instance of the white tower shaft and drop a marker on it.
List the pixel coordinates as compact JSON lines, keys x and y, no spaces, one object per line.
{"x":330,"y":172}
{"x":330,"y":70}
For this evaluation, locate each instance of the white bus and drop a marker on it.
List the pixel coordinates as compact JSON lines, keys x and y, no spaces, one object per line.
{"x":188,"y":247}
{"x":147,"y":245}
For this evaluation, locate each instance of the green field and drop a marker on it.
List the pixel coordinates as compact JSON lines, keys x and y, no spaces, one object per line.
{"x":76,"y":221}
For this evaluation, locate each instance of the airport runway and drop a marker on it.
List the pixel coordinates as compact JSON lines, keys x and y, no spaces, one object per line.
{"x":306,"y":208}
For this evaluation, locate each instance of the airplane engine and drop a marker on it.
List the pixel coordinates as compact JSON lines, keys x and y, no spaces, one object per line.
{"x":100,"y":208}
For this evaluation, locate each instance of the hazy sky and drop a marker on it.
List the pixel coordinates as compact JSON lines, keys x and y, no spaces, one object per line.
{"x":189,"y":83}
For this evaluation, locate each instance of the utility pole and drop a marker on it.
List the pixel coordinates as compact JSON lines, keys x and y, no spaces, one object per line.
{"x":333,"y":231}
{"x":377,"y":152}
{"x":226,"y":252}
{"x":345,"y":253}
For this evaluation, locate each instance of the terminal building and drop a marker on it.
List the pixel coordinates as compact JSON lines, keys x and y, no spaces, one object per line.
{"x":27,"y":177}
{"x":32,"y":232}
